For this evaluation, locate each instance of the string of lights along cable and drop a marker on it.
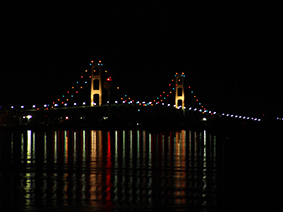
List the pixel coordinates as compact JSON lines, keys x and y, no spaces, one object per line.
{"x":78,"y":94}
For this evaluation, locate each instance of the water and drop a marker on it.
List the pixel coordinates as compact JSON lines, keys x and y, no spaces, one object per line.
{"x":130,"y":170}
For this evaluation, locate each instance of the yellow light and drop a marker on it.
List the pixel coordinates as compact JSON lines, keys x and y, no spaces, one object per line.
{"x":99,"y":61}
{"x":105,"y":71}
{"x":67,"y":99}
{"x":72,"y":87}
{"x":182,"y":72}
{"x":81,"y":87}
{"x":85,"y":70}
{"x":172,"y":80}
{"x":170,"y":91}
{"x":161,"y":100}
{"x":129,"y":98}
{"x":163,"y":91}
{"x":179,"y":80}
{"x":121,"y":98}
{"x":154,"y":100}
{"x":176,"y":72}
{"x":118,"y":88}
{"x":58,"y":100}
{"x":194,"y":96}
{"x":201,"y":106}
{"x":139,"y":103}
{"x":151,"y":104}
{"x":94,"y":70}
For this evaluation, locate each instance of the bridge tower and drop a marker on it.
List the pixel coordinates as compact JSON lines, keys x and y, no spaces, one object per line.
{"x":179,"y":90}
{"x":96,"y":84}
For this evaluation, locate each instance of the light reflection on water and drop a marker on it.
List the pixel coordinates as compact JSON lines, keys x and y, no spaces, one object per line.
{"x":109,"y":169}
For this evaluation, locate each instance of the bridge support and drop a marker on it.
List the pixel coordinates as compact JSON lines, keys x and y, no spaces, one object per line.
{"x":179,"y":90}
{"x":96,"y":84}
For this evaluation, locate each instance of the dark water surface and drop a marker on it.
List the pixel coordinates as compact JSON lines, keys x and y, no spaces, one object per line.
{"x":135,"y":170}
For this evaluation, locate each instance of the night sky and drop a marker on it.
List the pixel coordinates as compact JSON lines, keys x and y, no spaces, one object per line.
{"x":231,"y":54}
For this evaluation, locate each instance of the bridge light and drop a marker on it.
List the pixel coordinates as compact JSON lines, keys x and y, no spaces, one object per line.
{"x":44,"y":105}
{"x":75,"y":104}
{"x":116,"y":102}
{"x":190,"y":108}
{"x":248,"y":117}
{"x":168,"y":105}
{"x":227,"y":114}
{"x":240,"y":117}
{"x":259,"y":120}
{"x":65,"y":104}
{"x":83,"y":103}
{"x":162,"y":103}
{"x":22,"y":106}
{"x":12,"y":106}
{"x":244,"y":117}
{"x":34,"y":106}
{"x":214,"y":113}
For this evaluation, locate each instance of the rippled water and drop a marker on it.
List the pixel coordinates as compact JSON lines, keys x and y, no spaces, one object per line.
{"x":122,"y":170}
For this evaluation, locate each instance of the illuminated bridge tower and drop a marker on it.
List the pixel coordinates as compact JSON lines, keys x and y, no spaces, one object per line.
{"x":96,"y":84}
{"x":179,"y":90}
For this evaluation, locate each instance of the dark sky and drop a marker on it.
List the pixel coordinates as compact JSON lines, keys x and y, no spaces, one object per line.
{"x":231,"y":53}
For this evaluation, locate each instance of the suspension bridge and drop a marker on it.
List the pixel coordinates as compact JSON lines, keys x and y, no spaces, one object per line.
{"x":88,"y":101}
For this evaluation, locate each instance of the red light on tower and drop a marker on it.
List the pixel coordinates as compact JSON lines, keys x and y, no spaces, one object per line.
{"x":109,"y":79}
